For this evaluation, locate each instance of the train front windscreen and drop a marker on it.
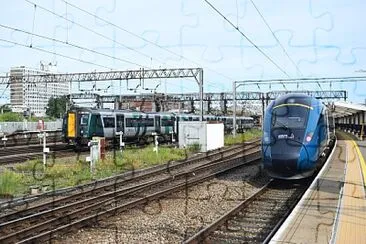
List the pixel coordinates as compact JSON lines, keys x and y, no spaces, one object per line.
{"x":289,"y":117}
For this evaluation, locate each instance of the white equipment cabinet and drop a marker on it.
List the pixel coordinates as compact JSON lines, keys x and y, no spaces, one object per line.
{"x":209,"y":135}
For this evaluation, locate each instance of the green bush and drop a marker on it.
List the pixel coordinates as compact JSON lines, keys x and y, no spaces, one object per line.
{"x":10,"y":182}
{"x":195,"y":147}
{"x":11,"y":117}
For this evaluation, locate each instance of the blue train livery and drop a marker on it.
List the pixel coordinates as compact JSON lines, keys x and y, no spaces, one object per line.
{"x":295,"y":136}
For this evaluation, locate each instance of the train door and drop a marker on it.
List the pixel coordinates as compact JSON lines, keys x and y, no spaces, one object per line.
{"x":176,"y":128}
{"x":157,"y":124}
{"x":109,"y":124}
{"x":132,"y":125}
{"x":167,"y":125}
{"x":96,"y":126}
{"x":120,"y":123}
{"x":144,"y":124}
{"x":64,"y":128}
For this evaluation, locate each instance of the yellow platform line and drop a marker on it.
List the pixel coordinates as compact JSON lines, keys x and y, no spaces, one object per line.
{"x":362,"y":162}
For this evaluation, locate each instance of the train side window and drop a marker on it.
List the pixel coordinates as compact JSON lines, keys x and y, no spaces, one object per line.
{"x":131,"y":122}
{"x":167,"y":122}
{"x":148,"y":122}
{"x":109,"y":122}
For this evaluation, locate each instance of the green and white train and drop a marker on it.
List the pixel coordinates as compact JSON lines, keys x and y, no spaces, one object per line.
{"x":81,"y":124}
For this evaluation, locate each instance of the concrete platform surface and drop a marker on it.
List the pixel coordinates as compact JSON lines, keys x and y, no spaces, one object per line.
{"x":333,"y":210}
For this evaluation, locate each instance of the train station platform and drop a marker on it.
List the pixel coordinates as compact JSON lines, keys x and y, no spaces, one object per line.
{"x":333,"y":210}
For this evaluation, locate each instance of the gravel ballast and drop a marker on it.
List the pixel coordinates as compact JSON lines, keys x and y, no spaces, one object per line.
{"x":178,"y":216}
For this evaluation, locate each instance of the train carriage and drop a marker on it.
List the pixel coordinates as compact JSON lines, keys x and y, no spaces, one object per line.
{"x":81,"y":124}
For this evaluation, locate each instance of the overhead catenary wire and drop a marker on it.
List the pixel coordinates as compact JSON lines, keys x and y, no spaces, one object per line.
{"x":54,"y":53}
{"x":71,"y":44}
{"x":111,"y":39}
{"x":88,"y":29}
{"x":247,"y":38}
{"x":146,"y":40}
{"x":69,"y":57}
{"x":278,"y":41}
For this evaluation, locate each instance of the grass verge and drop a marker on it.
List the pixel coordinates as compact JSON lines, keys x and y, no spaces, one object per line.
{"x":66,"y":172}
{"x":240,"y":138}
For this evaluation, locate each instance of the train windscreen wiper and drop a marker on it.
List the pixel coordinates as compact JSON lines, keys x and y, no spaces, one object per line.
{"x":281,"y":124}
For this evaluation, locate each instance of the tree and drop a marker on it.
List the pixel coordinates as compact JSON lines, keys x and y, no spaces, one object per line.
{"x":5,"y":108}
{"x":56,"y":106}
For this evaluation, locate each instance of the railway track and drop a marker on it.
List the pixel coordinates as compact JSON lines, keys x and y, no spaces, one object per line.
{"x":132,"y":175}
{"x":17,"y":154}
{"x":48,"y":220}
{"x":22,"y":153}
{"x":28,"y":138}
{"x":256,"y":219}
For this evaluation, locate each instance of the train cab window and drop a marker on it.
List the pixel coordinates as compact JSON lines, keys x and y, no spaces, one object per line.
{"x":109,"y":122}
{"x":84,"y":119}
{"x":290,"y":117}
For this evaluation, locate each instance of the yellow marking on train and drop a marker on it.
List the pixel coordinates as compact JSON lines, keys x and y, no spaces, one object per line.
{"x":362,"y":161}
{"x":71,"y":130}
{"x":293,"y":104}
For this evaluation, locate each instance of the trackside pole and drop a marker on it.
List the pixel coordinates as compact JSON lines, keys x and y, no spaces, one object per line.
{"x":156,"y":148}
{"x":94,"y":154}
{"x":4,"y":139}
{"x":121,"y":143}
{"x":173,"y":137}
{"x":46,"y":150}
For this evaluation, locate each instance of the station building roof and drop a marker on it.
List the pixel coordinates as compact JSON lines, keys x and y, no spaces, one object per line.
{"x":342,"y":109}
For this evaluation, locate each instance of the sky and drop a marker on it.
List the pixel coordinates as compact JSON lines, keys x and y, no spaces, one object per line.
{"x":303,"y":38}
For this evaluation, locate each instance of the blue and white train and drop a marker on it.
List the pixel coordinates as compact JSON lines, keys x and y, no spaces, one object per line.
{"x":296,"y":134}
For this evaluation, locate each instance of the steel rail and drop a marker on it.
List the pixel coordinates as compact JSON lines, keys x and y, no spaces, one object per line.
{"x":72,"y":218}
{"x":239,"y":213}
{"x":34,"y":212}
{"x":129,"y":176}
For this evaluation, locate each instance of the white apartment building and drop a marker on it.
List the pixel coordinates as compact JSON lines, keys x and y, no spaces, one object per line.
{"x":33,"y":96}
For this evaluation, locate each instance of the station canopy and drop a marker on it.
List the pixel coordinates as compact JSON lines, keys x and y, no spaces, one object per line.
{"x":341,"y":109}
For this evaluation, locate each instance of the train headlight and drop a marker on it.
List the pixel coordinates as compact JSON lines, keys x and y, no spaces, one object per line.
{"x":309,"y":136}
